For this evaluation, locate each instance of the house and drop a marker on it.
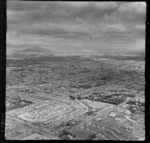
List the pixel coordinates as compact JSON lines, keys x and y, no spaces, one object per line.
{"x":112,"y":114}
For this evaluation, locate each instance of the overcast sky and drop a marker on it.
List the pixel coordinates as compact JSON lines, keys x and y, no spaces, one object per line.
{"x":78,"y":27}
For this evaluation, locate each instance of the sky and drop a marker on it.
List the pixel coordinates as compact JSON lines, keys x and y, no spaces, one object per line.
{"x":77,"y":27}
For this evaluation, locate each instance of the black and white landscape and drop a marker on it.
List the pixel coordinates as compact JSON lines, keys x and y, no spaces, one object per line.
{"x":75,"y":70}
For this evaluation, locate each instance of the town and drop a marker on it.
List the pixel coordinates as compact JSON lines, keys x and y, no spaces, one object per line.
{"x":75,"y":98}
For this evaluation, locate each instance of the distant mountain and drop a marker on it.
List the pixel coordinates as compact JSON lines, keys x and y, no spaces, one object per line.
{"x":137,"y":53}
{"x":36,"y":50}
{"x":29,"y":52}
{"x":141,"y":53}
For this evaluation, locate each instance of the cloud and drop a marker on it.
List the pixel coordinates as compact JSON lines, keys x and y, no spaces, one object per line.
{"x":23,"y":5}
{"x":67,"y":11}
{"x":133,"y":7}
{"x":52,"y":31}
{"x":75,"y":4}
{"x":105,"y":5}
{"x":80,"y":23}
{"x":133,"y":12}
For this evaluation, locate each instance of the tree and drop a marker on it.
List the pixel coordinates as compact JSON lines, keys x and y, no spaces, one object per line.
{"x":65,"y":137}
{"x":79,"y":98}
{"x":91,"y":136}
{"x":72,"y":97}
{"x":89,"y":113}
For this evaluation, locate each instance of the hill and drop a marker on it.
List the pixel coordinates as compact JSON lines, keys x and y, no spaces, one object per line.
{"x":29,"y":52}
{"x":36,"y":50}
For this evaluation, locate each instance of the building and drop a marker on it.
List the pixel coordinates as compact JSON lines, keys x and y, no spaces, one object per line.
{"x":112,"y":114}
